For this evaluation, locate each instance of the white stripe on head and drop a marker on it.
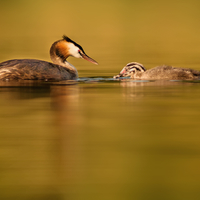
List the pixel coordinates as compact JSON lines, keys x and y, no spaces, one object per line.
{"x":130,"y":69}
{"x":137,"y":66}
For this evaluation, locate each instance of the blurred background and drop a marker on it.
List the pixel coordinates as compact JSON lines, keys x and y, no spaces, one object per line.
{"x":108,"y":139}
{"x":112,"y":32}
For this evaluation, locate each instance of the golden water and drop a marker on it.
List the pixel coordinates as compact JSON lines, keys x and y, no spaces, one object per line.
{"x":99,"y":138}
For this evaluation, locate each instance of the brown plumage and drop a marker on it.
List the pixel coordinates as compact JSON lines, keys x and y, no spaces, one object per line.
{"x":137,"y":71}
{"x":60,"y":69}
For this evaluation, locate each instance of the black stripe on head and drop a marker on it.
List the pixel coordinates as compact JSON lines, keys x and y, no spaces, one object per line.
{"x":136,"y":65}
{"x":69,"y":40}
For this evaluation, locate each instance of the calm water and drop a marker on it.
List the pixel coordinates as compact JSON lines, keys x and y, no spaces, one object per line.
{"x":99,"y":138}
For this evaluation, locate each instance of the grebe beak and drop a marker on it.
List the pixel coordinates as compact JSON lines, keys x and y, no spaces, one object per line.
{"x":84,"y":56}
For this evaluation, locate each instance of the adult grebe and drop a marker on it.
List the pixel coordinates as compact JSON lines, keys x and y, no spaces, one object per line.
{"x":60,"y":69}
{"x":137,"y":71}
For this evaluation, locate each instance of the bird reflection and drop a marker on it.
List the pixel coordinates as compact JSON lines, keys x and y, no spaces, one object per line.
{"x":67,"y":139}
{"x":134,"y":89}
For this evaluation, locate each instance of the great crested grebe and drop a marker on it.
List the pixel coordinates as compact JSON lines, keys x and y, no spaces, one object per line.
{"x":60,"y":69}
{"x":137,"y":71}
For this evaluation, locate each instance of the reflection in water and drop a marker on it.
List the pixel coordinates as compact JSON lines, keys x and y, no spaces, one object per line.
{"x":38,"y":139}
{"x":99,"y":140}
{"x":67,"y":140}
{"x":136,"y":88}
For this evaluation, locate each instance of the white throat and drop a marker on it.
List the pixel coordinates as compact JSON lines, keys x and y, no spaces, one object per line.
{"x":70,"y":67}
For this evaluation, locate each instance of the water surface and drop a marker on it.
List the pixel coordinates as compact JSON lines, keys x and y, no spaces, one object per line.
{"x":100,"y":139}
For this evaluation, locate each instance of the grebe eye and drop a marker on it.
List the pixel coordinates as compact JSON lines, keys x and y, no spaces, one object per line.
{"x":79,"y":51}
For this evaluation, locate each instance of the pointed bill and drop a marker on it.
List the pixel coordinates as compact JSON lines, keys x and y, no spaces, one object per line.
{"x":88,"y":58}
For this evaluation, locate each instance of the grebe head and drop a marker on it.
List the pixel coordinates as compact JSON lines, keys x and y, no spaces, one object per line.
{"x":130,"y":69}
{"x":62,"y":49}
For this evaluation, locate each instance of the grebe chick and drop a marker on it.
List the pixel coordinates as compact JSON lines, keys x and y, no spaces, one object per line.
{"x":137,"y":71}
{"x":60,"y":69}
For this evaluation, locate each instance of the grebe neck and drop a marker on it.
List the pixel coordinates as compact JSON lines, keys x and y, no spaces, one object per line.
{"x":59,"y":56}
{"x":58,"y":61}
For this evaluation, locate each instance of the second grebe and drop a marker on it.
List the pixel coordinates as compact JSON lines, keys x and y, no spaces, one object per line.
{"x":60,"y":69}
{"x":137,"y":71}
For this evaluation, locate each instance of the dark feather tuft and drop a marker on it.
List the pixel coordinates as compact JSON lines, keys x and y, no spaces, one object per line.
{"x":69,"y":40}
